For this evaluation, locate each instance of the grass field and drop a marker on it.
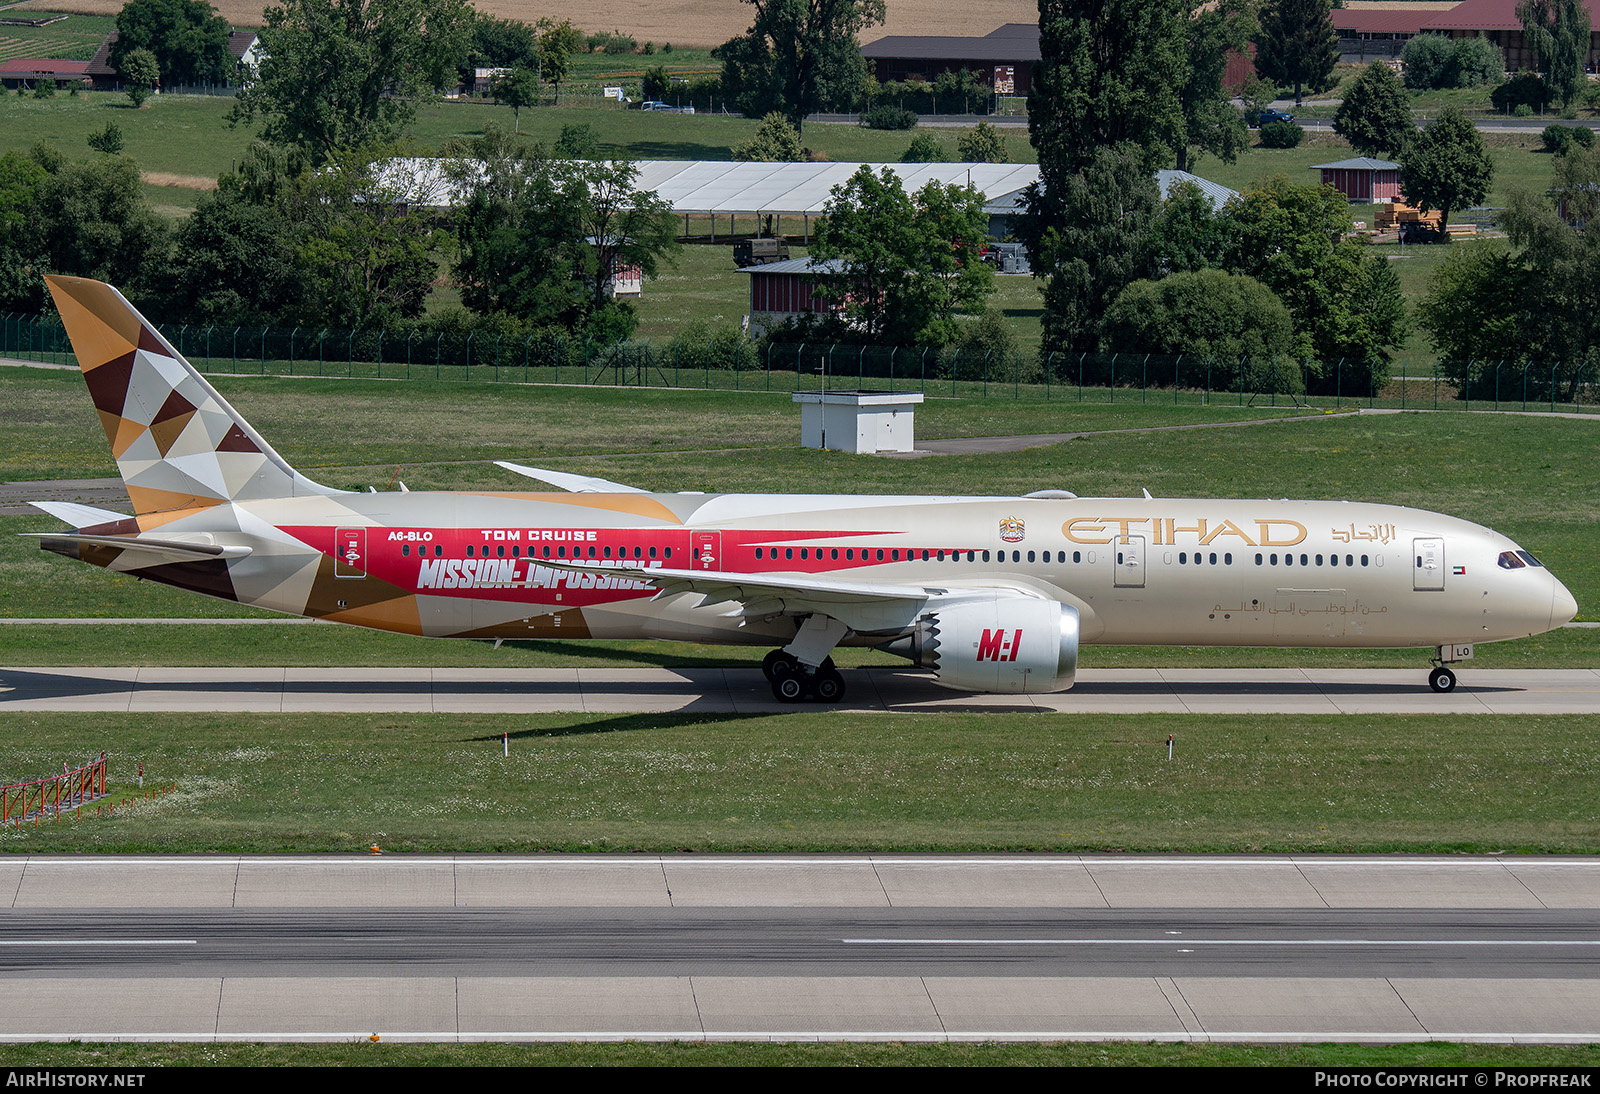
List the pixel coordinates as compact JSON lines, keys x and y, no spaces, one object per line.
{"x":1528,"y":476}
{"x":75,"y":38}
{"x":820,"y":781}
{"x":681,"y":22}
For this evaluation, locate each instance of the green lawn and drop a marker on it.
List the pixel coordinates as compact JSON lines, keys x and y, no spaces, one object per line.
{"x":75,"y":38}
{"x":820,"y":781}
{"x":825,"y":1054}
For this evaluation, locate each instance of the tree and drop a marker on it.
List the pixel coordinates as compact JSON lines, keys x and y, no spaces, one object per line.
{"x":983,"y":144}
{"x":22,"y":263}
{"x":538,"y":239}
{"x":1537,"y":17}
{"x":925,"y":148}
{"x":577,"y":142}
{"x":517,"y":89}
{"x":346,"y":73}
{"x":107,"y":140}
{"x":188,"y":38}
{"x":905,"y":264}
{"x":1472,"y":313}
{"x":1211,"y":123}
{"x":1375,"y":116}
{"x":798,"y":57}
{"x":1108,"y":74}
{"x":775,"y":140}
{"x":1428,"y":61}
{"x":93,"y":221}
{"x":1103,"y":241}
{"x":366,"y":245}
{"x":1346,"y":301}
{"x":234,"y":260}
{"x":139,"y":73}
{"x":1233,"y":321}
{"x":1446,"y":166}
{"x":1569,"y":49}
{"x":1297,"y":44}
{"x":1105,"y":100}
{"x":558,"y":44}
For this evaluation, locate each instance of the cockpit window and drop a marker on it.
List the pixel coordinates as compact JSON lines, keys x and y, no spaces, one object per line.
{"x":1511,"y":560}
{"x":1529,"y":559}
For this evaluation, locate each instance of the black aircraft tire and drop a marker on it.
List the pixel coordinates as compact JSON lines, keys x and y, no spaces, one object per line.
{"x":827,"y":686}
{"x":1442,"y":680}
{"x":789,"y":689}
{"x":778,"y":663}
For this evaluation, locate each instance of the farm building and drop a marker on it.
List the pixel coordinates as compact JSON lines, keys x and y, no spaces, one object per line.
{"x":1369,"y":32}
{"x":780,"y":291}
{"x":1363,"y":180}
{"x":243,"y":44}
{"x":1497,"y":21}
{"x":26,"y":72}
{"x":1005,"y":56}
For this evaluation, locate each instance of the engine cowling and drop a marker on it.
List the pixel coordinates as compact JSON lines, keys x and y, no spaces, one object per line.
{"x":1006,"y":644}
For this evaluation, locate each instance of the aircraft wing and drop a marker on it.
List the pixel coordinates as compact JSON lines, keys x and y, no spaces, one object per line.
{"x":578,"y":484}
{"x":867,"y":607}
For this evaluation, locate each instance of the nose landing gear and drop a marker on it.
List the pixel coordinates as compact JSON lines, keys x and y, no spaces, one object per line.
{"x":1441,"y":679}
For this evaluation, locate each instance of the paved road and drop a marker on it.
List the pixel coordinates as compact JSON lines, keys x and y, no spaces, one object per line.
{"x":717,"y":690}
{"x":907,"y":947}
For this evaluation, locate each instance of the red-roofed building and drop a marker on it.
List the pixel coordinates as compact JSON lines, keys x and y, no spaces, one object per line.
{"x":1497,"y":20}
{"x":1373,"y":31}
{"x":28,"y":71}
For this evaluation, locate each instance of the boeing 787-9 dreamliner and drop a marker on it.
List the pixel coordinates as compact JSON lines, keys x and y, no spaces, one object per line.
{"x":991,"y":594}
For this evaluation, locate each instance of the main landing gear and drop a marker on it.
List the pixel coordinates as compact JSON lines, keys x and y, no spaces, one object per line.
{"x":793,"y":682}
{"x":1442,"y":679}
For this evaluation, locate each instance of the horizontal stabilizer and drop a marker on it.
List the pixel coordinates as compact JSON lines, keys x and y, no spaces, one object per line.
{"x":577,"y":484}
{"x":169,"y":549}
{"x":79,"y":516}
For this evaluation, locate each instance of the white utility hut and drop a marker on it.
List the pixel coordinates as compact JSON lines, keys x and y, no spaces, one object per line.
{"x":864,"y":422}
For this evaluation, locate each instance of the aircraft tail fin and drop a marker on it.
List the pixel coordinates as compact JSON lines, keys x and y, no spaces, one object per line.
{"x":177,"y":442}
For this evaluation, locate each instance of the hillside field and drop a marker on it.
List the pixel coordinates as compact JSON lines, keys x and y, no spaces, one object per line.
{"x":681,"y":22}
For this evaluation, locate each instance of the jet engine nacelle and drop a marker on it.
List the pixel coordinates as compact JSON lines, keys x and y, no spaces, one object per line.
{"x":1005,"y":644}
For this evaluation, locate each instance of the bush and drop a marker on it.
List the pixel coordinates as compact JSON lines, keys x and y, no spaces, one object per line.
{"x":107,"y":140}
{"x":1525,"y":89}
{"x":655,"y":84}
{"x":1477,"y":61}
{"x":1281,"y":135}
{"x":775,"y":141}
{"x":1557,"y":139}
{"x":1228,"y":320}
{"x":1428,"y":61}
{"x":44,"y":89}
{"x":1583,"y":137}
{"x":982,"y":145}
{"x":925,"y":148}
{"x":889,"y":116}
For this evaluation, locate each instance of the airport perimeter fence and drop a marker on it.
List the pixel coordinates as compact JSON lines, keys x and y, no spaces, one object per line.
{"x":735,"y":364}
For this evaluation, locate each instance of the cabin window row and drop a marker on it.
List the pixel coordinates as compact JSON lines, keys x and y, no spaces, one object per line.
{"x":891,"y":554}
{"x":1289,"y":559}
{"x":560,"y":551}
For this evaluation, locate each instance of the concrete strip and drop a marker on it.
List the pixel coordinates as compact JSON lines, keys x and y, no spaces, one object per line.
{"x":1475,"y":883}
{"x":789,"y":1008}
{"x":189,"y":882}
{"x":1497,"y":1007}
{"x":343,"y":882}
{"x":608,"y":1008}
{"x":115,"y":1009}
{"x":1554,"y":883}
{"x":1291,"y":1005}
{"x":343,"y":1008}
{"x":744,"y":691}
{"x":783,"y":882}
{"x":1047,"y":883}
{"x":562,"y":882}
{"x":1107,"y":1006}
{"x":1157,"y":884}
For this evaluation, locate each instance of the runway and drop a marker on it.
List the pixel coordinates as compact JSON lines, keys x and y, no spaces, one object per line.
{"x":744,"y":691}
{"x":891,"y":947}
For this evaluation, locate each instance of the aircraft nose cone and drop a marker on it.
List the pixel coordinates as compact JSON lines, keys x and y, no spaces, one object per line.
{"x":1562,"y":605}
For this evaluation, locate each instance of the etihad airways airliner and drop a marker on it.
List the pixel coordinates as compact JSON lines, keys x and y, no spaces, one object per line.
{"x":992,"y":594}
